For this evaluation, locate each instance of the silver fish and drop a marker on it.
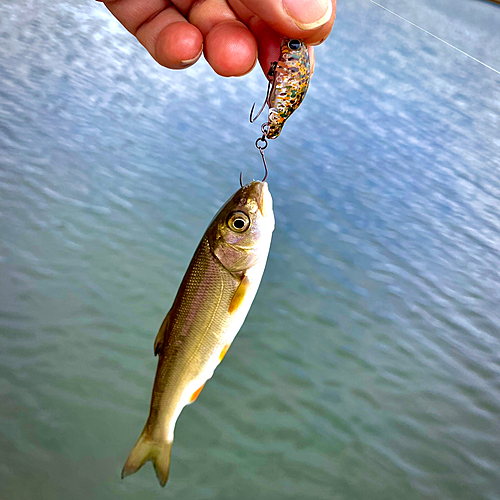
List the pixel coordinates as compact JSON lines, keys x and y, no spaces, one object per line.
{"x":211,"y":305}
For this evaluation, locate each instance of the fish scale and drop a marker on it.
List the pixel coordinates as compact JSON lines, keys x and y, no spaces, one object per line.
{"x":191,"y":340}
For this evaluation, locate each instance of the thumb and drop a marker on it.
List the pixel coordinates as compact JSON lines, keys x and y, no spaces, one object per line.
{"x":309,"y":20}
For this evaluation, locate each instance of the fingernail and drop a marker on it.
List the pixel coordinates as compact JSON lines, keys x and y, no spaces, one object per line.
{"x":315,"y":44}
{"x":188,"y":62}
{"x":308,"y":14}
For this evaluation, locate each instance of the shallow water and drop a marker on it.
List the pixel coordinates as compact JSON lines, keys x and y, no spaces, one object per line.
{"x":369,"y":365}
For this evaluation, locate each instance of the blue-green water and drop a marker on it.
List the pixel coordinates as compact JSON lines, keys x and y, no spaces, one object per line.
{"x":369,"y":365}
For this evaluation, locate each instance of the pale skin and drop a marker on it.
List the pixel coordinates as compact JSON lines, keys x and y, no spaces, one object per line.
{"x":232,"y":34}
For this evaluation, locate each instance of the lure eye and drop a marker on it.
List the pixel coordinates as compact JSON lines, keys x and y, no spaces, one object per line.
{"x":294,"y":44}
{"x":238,"y":222}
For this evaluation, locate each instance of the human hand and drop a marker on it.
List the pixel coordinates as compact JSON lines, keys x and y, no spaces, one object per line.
{"x":231,"y":33}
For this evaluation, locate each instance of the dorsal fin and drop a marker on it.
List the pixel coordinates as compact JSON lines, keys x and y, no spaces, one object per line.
{"x":162,"y":334}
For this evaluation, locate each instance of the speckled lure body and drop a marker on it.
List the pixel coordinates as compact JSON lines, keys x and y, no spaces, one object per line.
{"x":290,"y":81}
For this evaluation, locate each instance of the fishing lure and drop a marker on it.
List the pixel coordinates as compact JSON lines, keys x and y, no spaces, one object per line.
{"x":288,"y":83}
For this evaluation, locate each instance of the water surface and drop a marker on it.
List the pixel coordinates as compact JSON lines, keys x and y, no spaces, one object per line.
{"x":368,"y":367}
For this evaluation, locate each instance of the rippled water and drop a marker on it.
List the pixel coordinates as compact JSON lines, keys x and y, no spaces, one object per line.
{"x":369,"y":365}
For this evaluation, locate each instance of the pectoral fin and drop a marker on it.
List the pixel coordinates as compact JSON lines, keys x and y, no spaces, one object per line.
{"x":162,"y":335}
{"x":239,"y":295}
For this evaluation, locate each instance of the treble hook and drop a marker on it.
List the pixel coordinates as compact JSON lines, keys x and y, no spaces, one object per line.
{"x":270,"y":74}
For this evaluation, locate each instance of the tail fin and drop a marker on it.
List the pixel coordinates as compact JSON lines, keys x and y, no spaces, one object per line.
{"x":146,"y":449}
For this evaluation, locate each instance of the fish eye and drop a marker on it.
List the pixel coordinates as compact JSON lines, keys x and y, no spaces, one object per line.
{"x":238,"y":221}
{"x":294,"y":44}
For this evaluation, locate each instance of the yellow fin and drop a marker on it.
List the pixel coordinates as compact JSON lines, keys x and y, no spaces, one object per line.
{"x":162,"y":335}
{"x":239,"y":295}
{"x":196,"y":394}
{"x":223,"y":352}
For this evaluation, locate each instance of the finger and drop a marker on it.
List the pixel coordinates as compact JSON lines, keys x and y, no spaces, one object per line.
{"x":178,"y":45}
{"x":269,"y":42}
{"x":309,"y":20}
{"x":161,"y":29}
{"x":230,"y":48}
{"x":206,"y":14}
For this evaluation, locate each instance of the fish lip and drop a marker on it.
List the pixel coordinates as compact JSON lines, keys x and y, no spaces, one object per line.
{"x":261,"y":193}
{"x":264,"y":193}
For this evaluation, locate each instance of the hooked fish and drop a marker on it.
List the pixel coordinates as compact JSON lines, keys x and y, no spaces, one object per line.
{"x":210,"y":307}
{"x":289,"y":81}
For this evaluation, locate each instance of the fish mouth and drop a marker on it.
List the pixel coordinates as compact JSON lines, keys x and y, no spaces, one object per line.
{"x":259,"y":191}
{"x":264,"y":202}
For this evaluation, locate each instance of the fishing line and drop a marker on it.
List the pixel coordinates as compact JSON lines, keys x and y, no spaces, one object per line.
{"x":440,"y":39}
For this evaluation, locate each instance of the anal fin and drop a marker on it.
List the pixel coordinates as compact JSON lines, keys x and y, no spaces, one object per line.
{"x":224,"y":351}
{"x":195,"y":394}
